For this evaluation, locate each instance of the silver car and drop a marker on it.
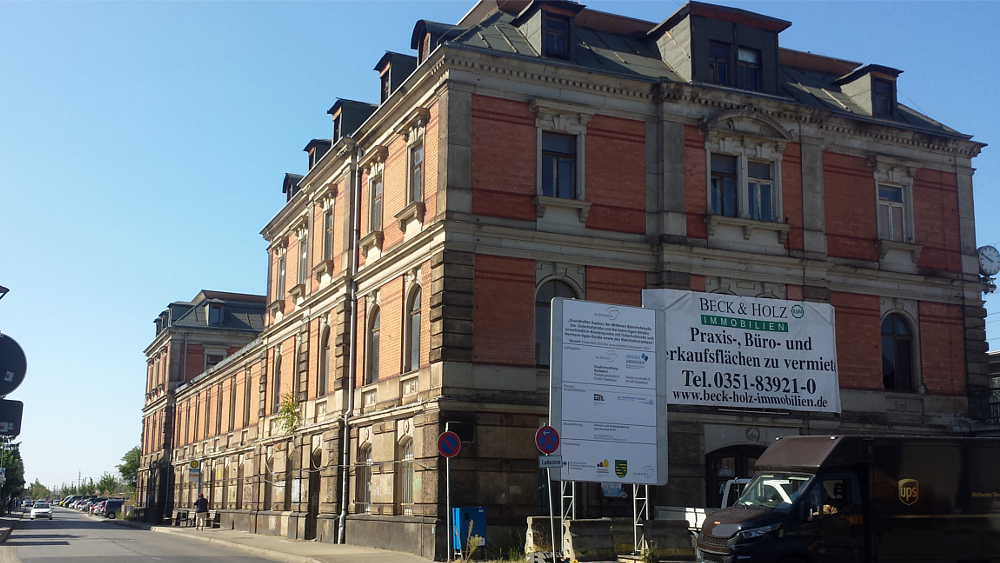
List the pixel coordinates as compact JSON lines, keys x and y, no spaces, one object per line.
{"x":41,"y":510}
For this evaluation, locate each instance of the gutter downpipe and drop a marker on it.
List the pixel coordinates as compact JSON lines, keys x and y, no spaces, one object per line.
{"x":352,"y":298}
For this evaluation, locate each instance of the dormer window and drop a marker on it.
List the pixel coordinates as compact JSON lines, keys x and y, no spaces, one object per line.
{"x":881,"y":98}
{"x":718,"y":59}
{"x":337,"y":125}
{"x":214,"y":314}
{"x":748,"y":69}
{"x":556,"y":36}
{"x":384,"y":87}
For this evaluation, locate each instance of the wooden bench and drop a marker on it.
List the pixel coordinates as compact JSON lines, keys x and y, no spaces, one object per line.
{"x":213,"y":520}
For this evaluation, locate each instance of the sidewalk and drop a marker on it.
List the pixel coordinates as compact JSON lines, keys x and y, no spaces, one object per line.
{"x":282,"y":549}
{"x":7,"y":523}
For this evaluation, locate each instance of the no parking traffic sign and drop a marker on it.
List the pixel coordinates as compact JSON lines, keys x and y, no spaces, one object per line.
{"x":449,"y":444}
{"x":547,"y":440}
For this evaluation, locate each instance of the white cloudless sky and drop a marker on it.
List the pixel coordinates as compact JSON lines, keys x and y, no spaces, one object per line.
{"x":143,"y":145}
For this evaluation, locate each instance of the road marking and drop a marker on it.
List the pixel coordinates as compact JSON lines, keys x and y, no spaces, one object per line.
{"x":8,"y":554}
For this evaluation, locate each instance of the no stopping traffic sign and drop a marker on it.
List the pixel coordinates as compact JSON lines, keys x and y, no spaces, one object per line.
{"x":449,"y":444}
{"x":547,"y":440}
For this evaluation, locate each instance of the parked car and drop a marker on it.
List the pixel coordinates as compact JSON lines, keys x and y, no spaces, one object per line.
{"x":41,"y":509}
{"x":98,"y":507}
{"x":848,"y":499}
{"x":113,"y":508}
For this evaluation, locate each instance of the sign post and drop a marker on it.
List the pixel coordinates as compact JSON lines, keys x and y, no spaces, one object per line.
{"x":547,"y":441}
{"x":608,"y":394}
{"x":449,"y":445}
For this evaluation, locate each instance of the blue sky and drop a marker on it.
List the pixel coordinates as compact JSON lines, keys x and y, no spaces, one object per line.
{"x":142,"y":148}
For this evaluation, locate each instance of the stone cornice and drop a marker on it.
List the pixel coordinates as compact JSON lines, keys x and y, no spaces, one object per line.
{"x":776,"y":108}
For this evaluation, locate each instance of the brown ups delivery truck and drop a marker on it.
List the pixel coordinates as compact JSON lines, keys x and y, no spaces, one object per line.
{"x":846,"y":499}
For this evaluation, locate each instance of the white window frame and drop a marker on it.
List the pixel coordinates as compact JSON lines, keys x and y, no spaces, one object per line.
{"x":564,"y":119}
{"x":885,"y":231}
{"x":750,"y":136}
{"x":896,"y":173}
{"x":372,"y":216}
{"x":409,"y":343}
{"x":413,"y":131}
{"x":303,"y":257}
{"x":328,"y":231}
{"x":279,"y":284}
{"x":413,"y":194}
{"x":769,"y":153}
{"x":406,"y":477}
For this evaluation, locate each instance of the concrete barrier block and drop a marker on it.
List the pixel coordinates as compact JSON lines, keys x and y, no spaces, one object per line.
{"x":539,"y":536}
{"x":670,"y":538}
{"x":589,"y":540}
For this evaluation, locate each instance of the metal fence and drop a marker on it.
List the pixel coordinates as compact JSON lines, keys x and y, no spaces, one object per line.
{"x":984,"y":406}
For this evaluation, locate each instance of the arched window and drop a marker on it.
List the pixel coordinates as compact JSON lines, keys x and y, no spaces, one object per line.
{"x":411,"y":347}
{"x":276,"y":390}
{"x":897,"y":354}
{"x":543,"y":316}
{"x":405,"y":485}
{"x":363,"y":492}
{"x":324,"y":364}
{"x":371,"y":368}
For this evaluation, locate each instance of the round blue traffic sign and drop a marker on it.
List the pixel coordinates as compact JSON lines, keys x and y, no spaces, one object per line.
{"x":547,"y":440}
{"x":449,"y":444}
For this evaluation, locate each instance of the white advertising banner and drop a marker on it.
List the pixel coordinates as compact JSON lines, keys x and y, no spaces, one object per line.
{"x":745,"y":352}
{"x":608,"y":401}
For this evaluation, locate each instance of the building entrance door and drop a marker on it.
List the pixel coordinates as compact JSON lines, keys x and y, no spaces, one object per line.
{"x":734,"y":462}
{"x":312,"y":510}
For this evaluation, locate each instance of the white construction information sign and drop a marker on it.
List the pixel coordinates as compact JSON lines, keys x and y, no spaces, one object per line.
{"x":607,"y":399}
{"x":745,"y":352}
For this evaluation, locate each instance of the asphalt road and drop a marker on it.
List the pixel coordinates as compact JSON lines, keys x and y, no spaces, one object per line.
{"x":72,"y":537}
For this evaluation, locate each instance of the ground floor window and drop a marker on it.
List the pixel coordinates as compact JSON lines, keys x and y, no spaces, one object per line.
{"x":735,"y":462}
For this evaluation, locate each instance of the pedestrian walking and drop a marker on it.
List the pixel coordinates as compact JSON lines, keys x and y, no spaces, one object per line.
{"x":201,"y":511}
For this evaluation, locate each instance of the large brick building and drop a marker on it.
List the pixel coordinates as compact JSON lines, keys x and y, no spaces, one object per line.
{"x":192,"y":338}
{"x":540,"y":149}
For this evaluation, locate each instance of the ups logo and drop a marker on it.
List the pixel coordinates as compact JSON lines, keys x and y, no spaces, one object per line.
{"x":909,"y":491}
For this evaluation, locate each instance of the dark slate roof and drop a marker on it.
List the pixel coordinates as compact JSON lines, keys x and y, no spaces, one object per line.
{"x":291,"y":184}
{"x":323,"y":143}
{"x":635,"y":55}
{"x":242,"y":311}
{"x":439,"y":30}
{"x":598,"y":51}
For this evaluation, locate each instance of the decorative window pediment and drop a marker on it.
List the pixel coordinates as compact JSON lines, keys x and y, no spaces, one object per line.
{"x":373,"y":161}
{"x":413,"y":124}
{"x":748,"y":124}
{"x":561,"y":117}
{"x":327,"y":195}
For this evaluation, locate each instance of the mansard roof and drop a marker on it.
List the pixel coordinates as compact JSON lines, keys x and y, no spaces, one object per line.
{"x":615,"y":45}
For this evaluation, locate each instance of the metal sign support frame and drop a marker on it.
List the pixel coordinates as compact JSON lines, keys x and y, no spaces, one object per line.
{"x":640,"y":513}
{"x":567,"y":504}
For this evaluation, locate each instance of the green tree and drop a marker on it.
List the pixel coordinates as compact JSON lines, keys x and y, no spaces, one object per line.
{"x":107,"y":484}
{"x":129,"y":469}
{"x":37,"y":490}
{"x":10,"y":460}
